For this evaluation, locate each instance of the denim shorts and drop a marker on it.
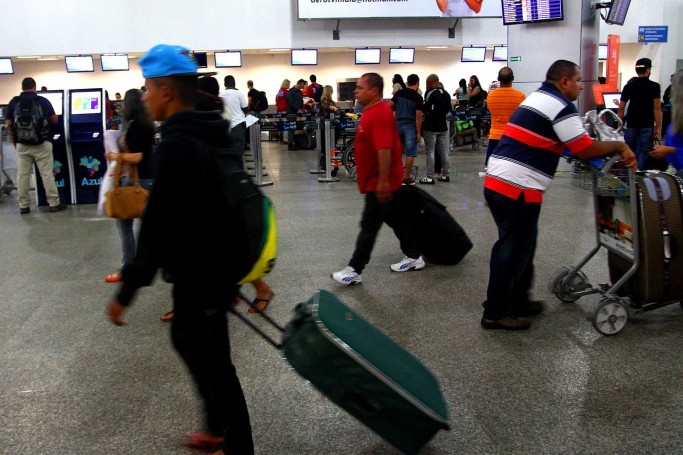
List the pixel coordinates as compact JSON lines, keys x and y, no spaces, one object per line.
{"x":408,"y":134}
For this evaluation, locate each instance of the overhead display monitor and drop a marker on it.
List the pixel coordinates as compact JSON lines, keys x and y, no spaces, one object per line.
{"x":617,"y":12}
{"x":401,"y":55}
{"x":530,"y":11}
{"x":6,"y":66}
{"x":500,"y":54}
{"x":200,"y":58}
{"x":114,"y":62}
{"x":56,"y":99}
{"x":473,"y":54}
{"x":83,"y":103}
{"x":79,"y":64}
{"x":304,"y":56}
{"x":612,"y":99}
{"x":228,"y":59}
{"x":368,"y":56}
{"x":602,"y":52}
{"x":330,"y":9}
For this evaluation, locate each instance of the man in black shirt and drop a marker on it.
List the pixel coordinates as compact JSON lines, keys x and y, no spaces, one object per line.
{"x":643,"y":119}
{"x":295,"y":105}
{"x":437,"y":105}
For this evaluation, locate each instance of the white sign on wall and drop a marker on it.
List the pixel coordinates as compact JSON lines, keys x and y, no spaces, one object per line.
{"x":357,"y":9}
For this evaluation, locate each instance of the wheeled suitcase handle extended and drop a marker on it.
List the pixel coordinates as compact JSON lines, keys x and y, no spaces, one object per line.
{"x":271,"y":321}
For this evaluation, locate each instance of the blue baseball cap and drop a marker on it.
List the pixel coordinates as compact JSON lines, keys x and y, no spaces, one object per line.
{"x":169,"y":60}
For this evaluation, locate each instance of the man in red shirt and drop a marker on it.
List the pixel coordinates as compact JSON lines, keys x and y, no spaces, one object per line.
{"x":379,"y":173}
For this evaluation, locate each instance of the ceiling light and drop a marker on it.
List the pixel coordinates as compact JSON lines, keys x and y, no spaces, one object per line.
{"x":278,"y":50}
{"x":45,"y":59}
{"x":437,"y":47}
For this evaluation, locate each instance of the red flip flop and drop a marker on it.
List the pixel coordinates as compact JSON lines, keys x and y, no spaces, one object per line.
{"x":202,"y":441}
{"x":113,"y":278}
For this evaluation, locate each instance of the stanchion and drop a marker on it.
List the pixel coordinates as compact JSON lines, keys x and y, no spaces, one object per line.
{"x":319,"y":145}
{"x":328,"y":146}
{"x":259,"y":173}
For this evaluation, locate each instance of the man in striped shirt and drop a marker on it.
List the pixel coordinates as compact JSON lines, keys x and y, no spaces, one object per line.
{"x":519,"y":171}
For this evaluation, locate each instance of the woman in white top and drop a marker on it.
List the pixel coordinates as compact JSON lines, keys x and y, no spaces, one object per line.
{"x":459,"y":8}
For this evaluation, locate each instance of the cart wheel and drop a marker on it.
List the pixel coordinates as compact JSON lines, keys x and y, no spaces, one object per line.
{"x":564,"y":293}
{"x":334,"y":171}
{"x":610,"y":317}
{"x":7,"y":187}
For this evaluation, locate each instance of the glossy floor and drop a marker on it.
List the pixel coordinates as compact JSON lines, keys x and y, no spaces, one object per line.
{"x":74,"y":384}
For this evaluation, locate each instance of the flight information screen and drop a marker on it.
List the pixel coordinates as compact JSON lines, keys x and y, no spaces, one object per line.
{"x":529,"y":11}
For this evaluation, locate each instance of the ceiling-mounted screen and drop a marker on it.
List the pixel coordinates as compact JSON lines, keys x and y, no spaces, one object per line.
{"x":500,"y":54}
{"x":200,"y":58}
{"x":304,"y":56}
{"x":530,"y":11}
{"x":473,"y":54}
{"x":617,"y":12}
{"x":401,"y":55}
{"x":6,"y":66}
{"x":228,"y":59}
{"x":368,"y":56}
{"x":358,"y":9}
{"x":602,"y":52}
{"x":114,"y":62}
{"x":79,"y":64}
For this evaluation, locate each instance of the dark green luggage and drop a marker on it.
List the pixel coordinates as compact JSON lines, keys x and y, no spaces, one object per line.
{"x":363,"y":371}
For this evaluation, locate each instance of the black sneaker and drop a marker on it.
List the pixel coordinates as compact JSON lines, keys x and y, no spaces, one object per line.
{"x":409,"y":181}
{"x":24,"y":210}
{"x":508,"y":323}
{"x":58,"y":208}
{"x":444,"y":178}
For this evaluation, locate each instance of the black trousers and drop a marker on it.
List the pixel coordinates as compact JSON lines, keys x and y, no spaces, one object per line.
{"x":374,"y":214}
{"x":199,"y":333}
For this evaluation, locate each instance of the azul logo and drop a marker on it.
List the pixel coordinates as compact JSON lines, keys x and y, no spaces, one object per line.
{"x":91,"y":164}
{"x":91,"y":182}
{"x":56,"y":167}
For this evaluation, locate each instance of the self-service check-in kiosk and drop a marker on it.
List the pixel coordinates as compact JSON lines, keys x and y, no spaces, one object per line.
{"x":61,"y":167}
{"x":85,"y":123}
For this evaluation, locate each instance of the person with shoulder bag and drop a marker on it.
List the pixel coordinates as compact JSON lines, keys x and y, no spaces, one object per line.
{"x":135,"y":157}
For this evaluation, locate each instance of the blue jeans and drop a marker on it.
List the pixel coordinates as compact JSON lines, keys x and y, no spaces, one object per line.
{"x":437,"y":141}
{"x":512,"y":257}
{"x":126,"y":233}
{"x":408,"y":134}
{"x":640,"y":141}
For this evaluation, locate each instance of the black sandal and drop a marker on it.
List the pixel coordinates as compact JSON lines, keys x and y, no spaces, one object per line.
{"x":258,"y":307}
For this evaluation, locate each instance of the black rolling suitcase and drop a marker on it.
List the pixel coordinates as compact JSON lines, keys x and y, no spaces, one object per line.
{"x":363,"y":371}
{"x":660,"y":224}
{"x":440,"y":238}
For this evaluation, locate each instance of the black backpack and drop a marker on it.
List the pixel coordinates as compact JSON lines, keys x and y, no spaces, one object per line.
{"x":262,"y":102}
{"x":317,"y":92}
{"x":30,"y":125}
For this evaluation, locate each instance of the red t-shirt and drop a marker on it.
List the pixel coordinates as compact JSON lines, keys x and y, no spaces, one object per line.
{"x":377,"y":130}
{"x":281,"y":100}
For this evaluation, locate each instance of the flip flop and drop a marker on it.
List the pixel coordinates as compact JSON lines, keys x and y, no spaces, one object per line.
{"x":113,"y":278}
{"x":168,"y":316}
{"x":202,"y":441}
{"x":260,"y":305}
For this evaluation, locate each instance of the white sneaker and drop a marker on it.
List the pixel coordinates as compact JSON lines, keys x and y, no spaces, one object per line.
{"x":408,"y":264}
{"x":348,"y":276}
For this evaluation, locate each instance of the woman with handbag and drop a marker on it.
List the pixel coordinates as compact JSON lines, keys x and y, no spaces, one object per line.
{"x":135,"y":145}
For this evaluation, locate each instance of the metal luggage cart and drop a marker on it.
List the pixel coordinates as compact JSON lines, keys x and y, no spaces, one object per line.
{"x":616,"y":227}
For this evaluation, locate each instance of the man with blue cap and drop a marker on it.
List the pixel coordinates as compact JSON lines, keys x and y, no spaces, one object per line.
{"x":185,"y":231}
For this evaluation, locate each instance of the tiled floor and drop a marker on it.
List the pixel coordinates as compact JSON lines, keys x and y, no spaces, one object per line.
{"x":74,"y":384}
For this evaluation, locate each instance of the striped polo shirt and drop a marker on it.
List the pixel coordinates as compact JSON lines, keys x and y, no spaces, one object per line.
{"x":527,"y":155}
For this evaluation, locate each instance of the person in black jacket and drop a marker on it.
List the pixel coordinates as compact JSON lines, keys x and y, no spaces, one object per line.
{"x":186,"y":230}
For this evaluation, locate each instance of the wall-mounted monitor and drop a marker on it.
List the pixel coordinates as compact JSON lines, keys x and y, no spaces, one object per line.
{"x":228,"y":59}
{"x":368,"y":56}
{"x":79,"y":64}
{"x":114,"y":62}
{"x":200,"y":58}
{"x":500,"y":53}
{"x":304,"y":56}
{"x":373,"y":9}
{"x":402,"y":55}
{"x":56,"y":99}
{"x":6,"y":66}
{"x":526,"y":12}
{"x":83,"y":103}
{"x":602,"y":52}
{"x":617,"y":12}
{"x":473,"y":54}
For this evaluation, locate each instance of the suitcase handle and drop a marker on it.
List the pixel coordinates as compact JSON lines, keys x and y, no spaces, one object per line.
{"x":253,"y":326}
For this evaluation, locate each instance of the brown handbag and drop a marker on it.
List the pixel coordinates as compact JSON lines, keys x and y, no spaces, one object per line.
{"x":125,"y":202}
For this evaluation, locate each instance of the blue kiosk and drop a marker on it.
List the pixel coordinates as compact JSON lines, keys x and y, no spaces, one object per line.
{"x":86,"y":123}
{"x":62,"y":167}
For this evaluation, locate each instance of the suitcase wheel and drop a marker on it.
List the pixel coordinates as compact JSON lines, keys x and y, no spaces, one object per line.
{"x":564,"y":290}
{"x":610,"y":316}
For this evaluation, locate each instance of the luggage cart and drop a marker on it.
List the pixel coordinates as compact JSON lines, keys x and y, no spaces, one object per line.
{"x":616,"y":199}
{"x":7,"y":186}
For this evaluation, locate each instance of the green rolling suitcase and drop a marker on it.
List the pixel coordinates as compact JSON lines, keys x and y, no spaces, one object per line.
{"x":363,"y":371}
